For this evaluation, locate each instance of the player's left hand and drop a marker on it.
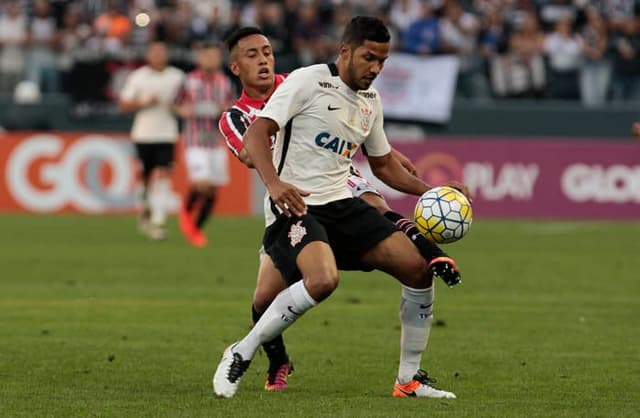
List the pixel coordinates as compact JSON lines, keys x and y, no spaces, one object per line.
{"x":460,"y":187}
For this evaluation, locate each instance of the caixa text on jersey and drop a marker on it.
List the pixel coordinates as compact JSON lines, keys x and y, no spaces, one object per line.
{"x":336,"y":145}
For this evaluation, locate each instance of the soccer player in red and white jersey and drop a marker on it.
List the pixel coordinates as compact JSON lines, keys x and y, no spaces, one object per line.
{"x":204,"y":94}
{"x":252,"y":61}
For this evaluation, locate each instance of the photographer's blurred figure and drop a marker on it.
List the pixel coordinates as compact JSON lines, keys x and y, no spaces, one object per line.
{"x":206,"y":93}
{"x":150,"y":92}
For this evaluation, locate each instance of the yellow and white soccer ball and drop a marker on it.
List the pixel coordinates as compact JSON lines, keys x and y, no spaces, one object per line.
{"x":443,"y":214}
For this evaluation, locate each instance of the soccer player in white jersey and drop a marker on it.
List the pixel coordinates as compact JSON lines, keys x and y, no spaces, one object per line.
{"x":315,"y":227}
{"x":252,"y":61}
{"x":206,"y":92}
{"x":150,"y":91}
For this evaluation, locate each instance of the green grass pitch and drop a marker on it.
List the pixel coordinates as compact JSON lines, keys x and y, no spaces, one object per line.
{"x":97,"y":321}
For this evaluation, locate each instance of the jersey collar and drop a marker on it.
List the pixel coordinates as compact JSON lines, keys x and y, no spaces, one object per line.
{"x":259,"y":103}
{"x":250,"y":101}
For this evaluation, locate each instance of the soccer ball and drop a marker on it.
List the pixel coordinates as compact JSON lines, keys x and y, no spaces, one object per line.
{"x":443,"y":214}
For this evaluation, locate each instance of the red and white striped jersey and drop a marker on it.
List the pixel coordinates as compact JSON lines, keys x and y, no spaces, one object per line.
{"x":209,"y":95}
{"x":235,"y":121}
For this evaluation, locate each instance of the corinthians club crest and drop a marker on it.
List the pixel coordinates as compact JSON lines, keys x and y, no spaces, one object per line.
{"x":365,"y":118}
{"x":296,"y":233}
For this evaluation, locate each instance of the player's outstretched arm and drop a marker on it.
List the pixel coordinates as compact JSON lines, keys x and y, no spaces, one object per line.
{"x":404,"y":161}
{"x":286,"y":196}
{"x":389,"y":169}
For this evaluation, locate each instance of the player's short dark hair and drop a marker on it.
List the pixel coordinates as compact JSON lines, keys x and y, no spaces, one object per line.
{"x":365,"y":28}
{"x":241,"y":33}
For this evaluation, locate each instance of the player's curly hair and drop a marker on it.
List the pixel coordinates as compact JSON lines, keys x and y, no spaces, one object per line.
{"x":365,"y":28}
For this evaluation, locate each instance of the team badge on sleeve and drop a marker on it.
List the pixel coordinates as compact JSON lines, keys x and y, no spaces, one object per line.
{"x":296,"y":233}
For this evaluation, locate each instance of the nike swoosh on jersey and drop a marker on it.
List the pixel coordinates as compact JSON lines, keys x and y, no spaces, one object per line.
{"x":290,"y":309}
{"x":424,"y":306}
{"x":332,"y":108}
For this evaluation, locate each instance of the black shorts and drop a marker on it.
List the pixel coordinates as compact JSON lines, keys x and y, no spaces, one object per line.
{"x":350,"y":226}
{"x":154,"y":154}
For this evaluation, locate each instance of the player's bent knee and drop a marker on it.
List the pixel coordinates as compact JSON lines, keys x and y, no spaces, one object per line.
{"x":321,"y":284}
{"x":417,"y":274}
{"x":318,"y":267}
{"x":265,"y":292}
{"x":262,"y":300}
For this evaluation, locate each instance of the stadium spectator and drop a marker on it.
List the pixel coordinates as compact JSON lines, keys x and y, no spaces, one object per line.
{"x":71,"y":37}
{"x":552,"y":11}
{"x":13,"y":37}
{"x":272,"y":22}
{"x":595,"y":71}
{"x":459,"y":31}
{"x":403,"y":13}
{"x":332,"y":30}
{"x":228,"y":27}
{"x":42,"y":66}
{"x":113,"y":27}
{"x":494,"y":35}
{"x":521,"y":71}
{"x":564,"y":50}
{"x":206,"y":92}
{"x":626,"y":59}
{"x":423,"y":34}
{"x":216,"y":12}
{"x":150,"y":92}
{"x":618,"y":12}
{"x":174,"y":26}
{"x":307,"y":35}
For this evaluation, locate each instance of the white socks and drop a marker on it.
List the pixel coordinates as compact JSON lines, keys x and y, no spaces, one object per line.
{"x":291,"y":303}
{"x":159,"y":196}
{"x":288,"y":306}
{"x":415,"y":317}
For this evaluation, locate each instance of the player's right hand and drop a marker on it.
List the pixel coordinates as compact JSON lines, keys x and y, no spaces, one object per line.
{"x":288,"y":198}
{"x":461,"y":188}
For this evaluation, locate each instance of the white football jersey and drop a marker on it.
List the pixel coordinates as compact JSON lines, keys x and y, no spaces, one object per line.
{"x":155,"y":123}
{"x":322,"y":124}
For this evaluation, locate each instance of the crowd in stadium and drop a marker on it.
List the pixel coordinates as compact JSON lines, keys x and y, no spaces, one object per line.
{"x":563,"y":49}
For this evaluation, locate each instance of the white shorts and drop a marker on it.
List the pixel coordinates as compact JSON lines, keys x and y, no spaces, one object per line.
{"x":207,"y":165}
{"x":359,"y":186}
